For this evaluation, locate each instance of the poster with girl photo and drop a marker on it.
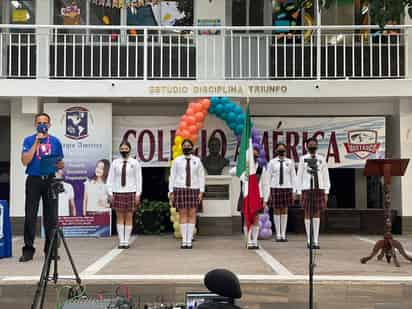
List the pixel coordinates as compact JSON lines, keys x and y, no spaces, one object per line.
{"x":96,"y":196}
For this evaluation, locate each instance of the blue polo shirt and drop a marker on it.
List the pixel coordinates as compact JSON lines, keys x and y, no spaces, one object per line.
{"x":43,"y":164}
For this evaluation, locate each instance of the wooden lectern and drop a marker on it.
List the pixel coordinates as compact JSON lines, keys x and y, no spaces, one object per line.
{"x":387,"y":168}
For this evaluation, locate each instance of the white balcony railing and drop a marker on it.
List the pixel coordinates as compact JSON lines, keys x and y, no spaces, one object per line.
{"x":203,"y":53}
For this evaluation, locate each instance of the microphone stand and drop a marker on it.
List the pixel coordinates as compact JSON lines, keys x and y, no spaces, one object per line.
{"x":312,"y":265}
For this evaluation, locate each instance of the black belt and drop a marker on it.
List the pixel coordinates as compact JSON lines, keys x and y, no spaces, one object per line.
{"x":47,"y":177}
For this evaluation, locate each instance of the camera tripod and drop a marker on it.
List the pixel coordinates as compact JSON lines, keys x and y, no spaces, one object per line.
{"x":52,"y":257}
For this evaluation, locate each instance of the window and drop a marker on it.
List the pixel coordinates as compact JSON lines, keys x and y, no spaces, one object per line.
{"x":70,"y":12}
{"x":248,"y":12}
{"x":339,"y":13}
{"x":128,"y":12}
{"x":22,"y":12}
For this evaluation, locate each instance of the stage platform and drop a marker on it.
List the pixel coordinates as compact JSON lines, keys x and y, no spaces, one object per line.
{"x":156,"y":269}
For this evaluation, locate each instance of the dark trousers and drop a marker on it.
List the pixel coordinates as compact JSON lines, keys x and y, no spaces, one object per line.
{"x":38,"y":188}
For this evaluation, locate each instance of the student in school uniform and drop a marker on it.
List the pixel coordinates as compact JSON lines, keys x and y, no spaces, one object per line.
{"x":252,"y":234}
{"x":186,"y":188}
{"x":282,"y":182}
{"x":321,"y":189}
{"x":124,"y":185}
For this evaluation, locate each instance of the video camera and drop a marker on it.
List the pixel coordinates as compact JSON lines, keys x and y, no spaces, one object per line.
{"x":56,"y":187}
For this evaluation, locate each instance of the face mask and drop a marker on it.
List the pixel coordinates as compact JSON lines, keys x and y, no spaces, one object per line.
{"x":42,"y":128}
{"x":124,"y":154}
{"x":312,"y":149}
{"x":281,"y":152}
{"x":187,"y":151}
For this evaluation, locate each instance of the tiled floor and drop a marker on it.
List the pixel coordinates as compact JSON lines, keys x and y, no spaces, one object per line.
{"x":277,"y":274}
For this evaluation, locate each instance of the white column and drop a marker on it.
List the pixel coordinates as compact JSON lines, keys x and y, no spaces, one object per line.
{"x":43,"y":17}
{"x":408,"y":46}
{"x":210,"y":49}
{"x":405,"y":147}
{"x":30,"y":105}
{"x":21,"y":126}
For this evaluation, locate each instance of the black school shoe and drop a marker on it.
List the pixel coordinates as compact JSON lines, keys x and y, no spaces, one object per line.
{"x":183,"y":247}
{"x":25,"y":258}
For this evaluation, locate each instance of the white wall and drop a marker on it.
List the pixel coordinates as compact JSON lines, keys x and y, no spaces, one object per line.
{"x":405,"y":149}
{"x":21,"y":126}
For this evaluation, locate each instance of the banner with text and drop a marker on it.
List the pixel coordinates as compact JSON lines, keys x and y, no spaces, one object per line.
{"x":85,"y":131}
{"x":345,"y":141}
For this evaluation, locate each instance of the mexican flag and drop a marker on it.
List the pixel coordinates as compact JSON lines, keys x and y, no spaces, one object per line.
{"x":246,"y":170}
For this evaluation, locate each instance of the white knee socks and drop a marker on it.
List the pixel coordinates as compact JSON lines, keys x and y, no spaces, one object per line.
{"x":307,"y":229}
{"x":255,"y":234}
{"x":276,"y":219}
{"x":128,"y":232}
{"x":316,"y":226}
{"x":190,"y":230}
{"x":124,"y":232}
{"x":183,"y":232}
{"x":120,"y":233}
{"x":283,"y":225}
{"x":249,"y":236}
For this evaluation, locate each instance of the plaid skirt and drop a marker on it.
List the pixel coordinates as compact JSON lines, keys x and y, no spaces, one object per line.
{"x":318,"y":199}
{"x":124,"y":201}
{"x":280,"y":198}
{"x":186,"y":198}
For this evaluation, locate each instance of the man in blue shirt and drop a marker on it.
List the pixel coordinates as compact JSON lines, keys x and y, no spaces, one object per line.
{"x":42,"y":155}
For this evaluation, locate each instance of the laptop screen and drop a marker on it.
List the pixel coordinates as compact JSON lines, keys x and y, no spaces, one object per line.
{"x":194,"y":299}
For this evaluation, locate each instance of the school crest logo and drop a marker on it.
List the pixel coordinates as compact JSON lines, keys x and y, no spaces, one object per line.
{"x":362,"y":143}
{"x":77,"y":122}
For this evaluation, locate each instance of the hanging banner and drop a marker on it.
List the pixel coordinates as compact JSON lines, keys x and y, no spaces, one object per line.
{"x":85,"y":132}
{"x":346,"y":142}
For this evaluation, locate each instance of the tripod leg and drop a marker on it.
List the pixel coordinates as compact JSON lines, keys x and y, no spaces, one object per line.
{"x":43,"y":295}
{"x":378,"y":246}
{"x":66,"y":248}
{"x":44,"y":277}
{"x":397,"y":245}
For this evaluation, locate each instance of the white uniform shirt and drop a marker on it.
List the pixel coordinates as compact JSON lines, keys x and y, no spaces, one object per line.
{"x":303,"y":177}
{"x":289,"y":174}
{"x":177,"y":177}
{"x":133,"y":177}
{"x":64,"y":199}
{"x":97,"y":196}
{"x":264,"y":189}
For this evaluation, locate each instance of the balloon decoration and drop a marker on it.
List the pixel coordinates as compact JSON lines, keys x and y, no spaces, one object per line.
{"x":193,"y":121}
{"x":231,"y":113}
{"x":265,"y":231}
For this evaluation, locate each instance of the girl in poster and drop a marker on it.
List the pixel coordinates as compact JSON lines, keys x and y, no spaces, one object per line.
{"x":96,"y":198}
{"x":124,"y":185}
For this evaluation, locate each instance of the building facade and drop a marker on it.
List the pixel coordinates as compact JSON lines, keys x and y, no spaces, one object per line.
{"x":147,"y":58}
